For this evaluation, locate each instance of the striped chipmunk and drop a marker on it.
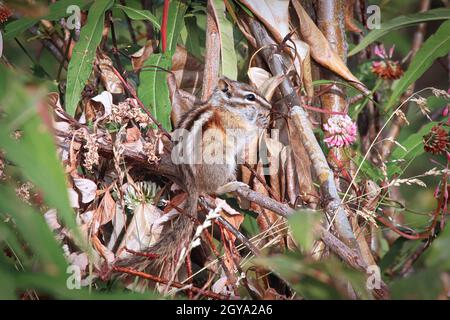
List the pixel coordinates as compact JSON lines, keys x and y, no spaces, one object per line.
{"x":210,"y":136}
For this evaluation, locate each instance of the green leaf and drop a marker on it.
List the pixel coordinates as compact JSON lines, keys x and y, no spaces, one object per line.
{"x":426,"y":284}
{"x":15,"y":28}
{"x":302,"y":275}
{"x":9,"y":237}
{"x":175,"y":23}
{"x":35,"y":152}
{"x":193,"y":37}
{"x":302,"y":225}
{"x":400,"y":22}
{"x":439,"y":254}
{"x":398,"y":254}
{"x":136,"y":14}
{"x":34,"y":231}
{"x":372,"y":172}
{"x":227,"y":51}
{"x":57,"y":11}
{"x":413,"y":145}
{"x":80,"y":65}
{"x":153,"y":90}
{"x":436,"y":46}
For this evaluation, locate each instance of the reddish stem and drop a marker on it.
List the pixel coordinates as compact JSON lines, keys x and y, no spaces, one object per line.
{"x":173,"y":284}
{"x":165,"y":17}
{"x":316,"y":109}
{"x":189,"y":274}
{"x":429,"y":231}
{"x":142,"y":254}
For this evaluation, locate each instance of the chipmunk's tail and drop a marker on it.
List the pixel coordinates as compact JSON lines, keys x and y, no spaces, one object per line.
{"x":179,"y":235}
{"x":168,"y":248}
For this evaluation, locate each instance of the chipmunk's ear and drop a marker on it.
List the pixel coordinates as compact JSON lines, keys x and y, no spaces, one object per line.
{"x":224,"y":84}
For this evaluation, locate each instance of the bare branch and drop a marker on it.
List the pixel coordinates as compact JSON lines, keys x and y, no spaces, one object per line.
{"x":332,"y":201}
{"x":212,"y":54}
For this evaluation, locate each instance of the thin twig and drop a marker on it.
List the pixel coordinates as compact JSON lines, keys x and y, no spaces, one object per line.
{"x":115,"y":50}
{"x":129,"y":24}
{"x":66,"y":58}
{"x":333,"y":203}
{"x":133,"y":93}
{"x":263,"y":182}
{"x":178,"y":285}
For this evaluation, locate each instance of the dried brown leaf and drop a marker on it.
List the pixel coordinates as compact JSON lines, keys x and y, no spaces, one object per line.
{"x":87,"y":188}
{"x":104,"y":67}
{"x":264,"y":81}
{"x":349,"y":23}
{"x":105,"y":211}
{"x":141,"y":232}
{"x":321,"y":50}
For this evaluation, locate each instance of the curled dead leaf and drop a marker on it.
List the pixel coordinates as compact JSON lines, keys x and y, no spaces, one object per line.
{"x":321,"y":50}
{"x":104,"y":67}
{"x":264,"y":81}
{"x":87,"y":188}
{"x":141,"y":232}
{"x":104,"y":213}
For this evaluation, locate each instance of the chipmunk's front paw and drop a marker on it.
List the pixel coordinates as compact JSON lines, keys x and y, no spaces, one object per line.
{"x":230,"y":187}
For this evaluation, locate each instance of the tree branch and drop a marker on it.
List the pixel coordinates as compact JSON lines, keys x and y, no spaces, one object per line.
{"x":332,"y":201}
{"x":212,"y":53}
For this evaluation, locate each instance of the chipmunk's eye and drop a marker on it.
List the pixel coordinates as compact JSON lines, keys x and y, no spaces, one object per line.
{"x":250,"y":97}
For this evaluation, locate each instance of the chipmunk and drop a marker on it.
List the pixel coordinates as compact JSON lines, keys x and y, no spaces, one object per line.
{"x":223,"y":124}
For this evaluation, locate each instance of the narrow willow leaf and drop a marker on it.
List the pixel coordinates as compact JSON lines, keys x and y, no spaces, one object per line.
{"x":175,"y":23}
{"x":227,"y":51}
{"x":424,"y":284}
{"x":15,"y":28}
{"x":401,"y":22}
{"x":35,"y":153}
{"x":413,"y":145}
{"x":302,"y":225}
{"x":34,"y":231}
{"x":58,"y":289}
{"x":435,"y":47}
{"x":8,"y":235}
{"x":136,"y":14}
{"x":80,"y":65}
{"x":57,"y":11}
{"x":191,"y":36}
{"x":153,"y":90}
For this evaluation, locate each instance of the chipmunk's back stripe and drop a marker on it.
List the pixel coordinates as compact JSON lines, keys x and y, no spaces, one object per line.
{"x":192,"y":116}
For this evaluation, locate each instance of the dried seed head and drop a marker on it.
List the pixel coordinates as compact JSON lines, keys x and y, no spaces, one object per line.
{"x":5,"y":13}
{"x":423,"y":106}
{"x":2,"y":168}
{"x":129,"y":110}
{"x":23,"y":192}
{"x":386,"y":68}
{"x":437,"y":141}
